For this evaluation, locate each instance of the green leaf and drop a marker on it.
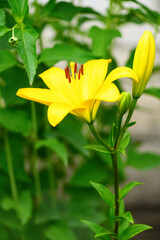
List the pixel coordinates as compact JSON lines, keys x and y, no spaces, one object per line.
{"x":92,"y":226}
{"x":143,"y":161}
{"x":127,"y":216}
{"x":97,"y":148}
{"x":3,"y":30}
{"x":103,"y":232}
{"x":26,"y":47}
{"x":7,"y":60}
{"x":127,"y":188}
{"x":23,"y":206}
{"x":131,"y":124}
{"x":101,"y":40}
{"x":59,"y":231}
{"x":56,"y":146}
{"x":2,"y":17}
{"x":19,"y":9}
{"x":15,"y":120}
{"x":153,"y":91}
{"x":124,"y":143}
{"x":133,"y":230}
{"x":10,"y":220}
{"x":91,"y":170}
{"x":66,"y":11}
{"x":105,"y":194}
{"x":62,"y":51}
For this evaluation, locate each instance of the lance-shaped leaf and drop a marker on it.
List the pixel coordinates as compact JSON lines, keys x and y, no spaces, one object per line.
{"x":126,"y":189}
{"x":127,"y":216}
{"x":97,"y":148}
{"x":26,"y":47}
{"x":19,"y":9}
{"x":153,"y":91}
{"x":105,"y":194}
{"x":133,"y":230}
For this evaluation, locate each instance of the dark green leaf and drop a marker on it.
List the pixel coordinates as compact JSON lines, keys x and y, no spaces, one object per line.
{"x":143,"y":161}
{"x":15,"y":120}
{"x":105,"y":194}
{"x":26,"y":47}
{"x":59,"y":231}
{"x":66,"y":11}
{"x":56,"y":146}
{"x":129,"y":62}
{"x":101,"y":40}
{"x":63,"y":51}
{"x":133,"y":231}
{"x":131,"y":124}
{"x":19,"y":9}
{"x":9,"y":219}
{"x":155,"y":92}
{"x":91,"y":170}
{"x":3,"y":30}
{"x":97,"y":148}
{"x":127,"y":188}
{"x":7,"y":60}
{"x":127,"y":216}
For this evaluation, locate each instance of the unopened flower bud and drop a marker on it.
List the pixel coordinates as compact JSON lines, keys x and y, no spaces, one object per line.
{"x":143,"y":63}
{"x":124,"y":102}
{"x":13,"y":40}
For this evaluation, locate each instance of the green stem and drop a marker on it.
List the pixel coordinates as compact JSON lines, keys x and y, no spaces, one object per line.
{"x":34,"y":156}
{"x":116,"y":189}
{"x":10,"y":167}
{"x":133,"y":104}
{"x":99,"y":138}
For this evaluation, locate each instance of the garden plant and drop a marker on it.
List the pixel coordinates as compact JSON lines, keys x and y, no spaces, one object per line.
{"x":62,"y":159}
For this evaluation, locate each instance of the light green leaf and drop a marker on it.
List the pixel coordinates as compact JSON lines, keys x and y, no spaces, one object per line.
{"x":101,"y":40}
{"x":103,"y":232}
{"x":3,"y":30}
{"x":55,"y":145}
{"x":15,"y":120}
{"x":19,"y":9}
{"x":66,"y":52}
{"x":59,"y":231}
{"x":143,"y":161}
{"x":127,"y":188}
{"x":2,"y":17}
{"x":124,"y":143}
{"x":7,"y":60}
{"x":127,"y":216}
{"x":26,"y":47}
{"x":105,"y":194}
{"x":133,"y":230}
{"x":97,"y":148}
{"x":153,"y":91}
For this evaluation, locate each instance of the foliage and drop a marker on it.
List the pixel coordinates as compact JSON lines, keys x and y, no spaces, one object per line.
{"x":49,"y":176}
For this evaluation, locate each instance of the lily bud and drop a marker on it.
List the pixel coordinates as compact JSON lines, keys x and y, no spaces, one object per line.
{"x":143,"y":63}
{"x":124,"y":102}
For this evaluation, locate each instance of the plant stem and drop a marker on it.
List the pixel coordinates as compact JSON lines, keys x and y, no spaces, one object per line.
{"x":10,"y":167}
{"x":34,"y":156}
{"x":99,"y":138}
{"x":116,"y":189}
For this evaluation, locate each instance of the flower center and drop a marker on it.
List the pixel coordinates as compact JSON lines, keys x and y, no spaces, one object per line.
{"x":74,"y":69}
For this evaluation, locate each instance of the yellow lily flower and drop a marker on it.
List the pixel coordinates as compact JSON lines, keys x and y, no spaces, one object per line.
{"x":78,"y":93}
{"x":143,"y":63}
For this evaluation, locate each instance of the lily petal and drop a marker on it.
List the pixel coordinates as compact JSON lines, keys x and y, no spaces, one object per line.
{"x":108,"y":92}
{"x":44,"y":96}
{"x":94,"y":74}
{"x":55,"y":79}
{"x":57,"y":112}
{"x":121,"y":72}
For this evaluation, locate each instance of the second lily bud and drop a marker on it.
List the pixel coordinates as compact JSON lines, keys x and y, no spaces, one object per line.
{"x":143,"y":63}
{"x":124,"y":102}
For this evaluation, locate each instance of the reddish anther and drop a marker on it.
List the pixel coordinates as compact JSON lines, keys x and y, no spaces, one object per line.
{"x":79,"y":74}
{"x":75,"y":67}
{"x":69,"y":79}
{"x":66,"y":72}
{"x":82,"y":70}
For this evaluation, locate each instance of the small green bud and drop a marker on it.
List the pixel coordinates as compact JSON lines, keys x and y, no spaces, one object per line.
{"x":13,"y":40}
{"x":124,"y":102}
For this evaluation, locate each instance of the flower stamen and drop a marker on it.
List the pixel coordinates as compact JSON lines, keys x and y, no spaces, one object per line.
{"x":82,"y":69}
{"x":75,"y":67}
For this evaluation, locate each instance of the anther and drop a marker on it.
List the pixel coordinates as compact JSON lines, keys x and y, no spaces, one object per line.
{"x":82,"y":70}
{"x":79,"y":74}
{"x":66,"y":72}
{"x":75,"y":67}
{"x":69,"y":79}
